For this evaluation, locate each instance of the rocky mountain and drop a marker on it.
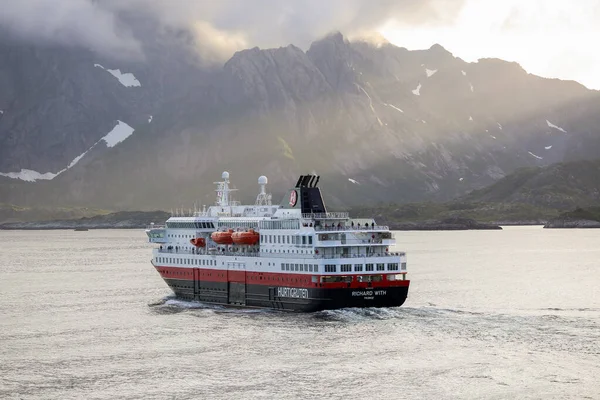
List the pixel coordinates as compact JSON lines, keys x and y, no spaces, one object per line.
{"x":378,"y":123}
{"x":562,"y":186}
{"x":578,"y":218}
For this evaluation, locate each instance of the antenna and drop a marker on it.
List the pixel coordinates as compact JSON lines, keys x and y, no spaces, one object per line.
{"x":263,"y":199}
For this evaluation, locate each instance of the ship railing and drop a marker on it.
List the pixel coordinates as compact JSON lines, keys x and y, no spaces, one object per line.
{"x":154,"y":226}
{"x":370,"y":255}
{"x":327,"y":241}
{"x":327,"y":215}
{"x":365,"y":228}
{"x":278,"y":255}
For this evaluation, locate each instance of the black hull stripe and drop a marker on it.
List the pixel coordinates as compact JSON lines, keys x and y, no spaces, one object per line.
{"x":286,"y":298}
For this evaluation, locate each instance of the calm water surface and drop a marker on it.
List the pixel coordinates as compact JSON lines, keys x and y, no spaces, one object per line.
{"x":492,"y":315}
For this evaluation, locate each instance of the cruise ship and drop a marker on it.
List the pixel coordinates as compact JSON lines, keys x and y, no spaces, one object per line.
{"x":293,"y":256}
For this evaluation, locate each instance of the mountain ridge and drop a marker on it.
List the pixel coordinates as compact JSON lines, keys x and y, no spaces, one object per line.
{"x":377,"y":122}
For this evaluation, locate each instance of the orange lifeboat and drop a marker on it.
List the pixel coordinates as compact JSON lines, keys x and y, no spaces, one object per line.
{"x":222,"y":237}
{"x":198,"y":242}
{"x":247,"y":237}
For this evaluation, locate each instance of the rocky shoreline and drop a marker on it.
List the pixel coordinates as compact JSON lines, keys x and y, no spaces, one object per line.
{"x":118,"y":220}
{"x":569,"y":223}
{"x":449,"y":224}
{"x":140,"y":220}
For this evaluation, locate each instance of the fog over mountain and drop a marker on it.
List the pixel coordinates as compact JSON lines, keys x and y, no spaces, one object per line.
{"x":218,"y":28}
{"x":142,"y":104}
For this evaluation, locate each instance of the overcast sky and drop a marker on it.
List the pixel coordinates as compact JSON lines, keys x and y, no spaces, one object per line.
{"x":551,"y":38}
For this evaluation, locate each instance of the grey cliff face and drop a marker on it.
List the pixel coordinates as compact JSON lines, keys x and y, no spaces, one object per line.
{"x":379,"y":123}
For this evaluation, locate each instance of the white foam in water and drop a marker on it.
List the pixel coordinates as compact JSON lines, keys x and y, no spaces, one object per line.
{"x":172,"y":302}
{"x":361,"y":314}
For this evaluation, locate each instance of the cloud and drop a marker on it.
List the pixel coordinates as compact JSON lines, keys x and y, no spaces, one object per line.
{"x":219,"y":27}
{"x":74,"y":22}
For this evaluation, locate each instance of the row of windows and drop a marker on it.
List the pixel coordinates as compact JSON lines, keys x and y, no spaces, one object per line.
{"x":287,"y":239}
{"x":190,"y":225}
{"x":283,"y":224}
{"x":181,"y":236}
{"x":185,"y":261}
{"x":238,"y":224}
{"x":359,"y":267}
{"x":300,"y":267}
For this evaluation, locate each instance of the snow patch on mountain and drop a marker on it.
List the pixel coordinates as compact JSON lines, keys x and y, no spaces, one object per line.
{"x":393,"y":106}
{"x":471,"y":86}
{"x":353,"y":181}
{"x":499,"y":125}
{"x":547,"y":147}
{"x":29,"y":175}
{"x":417,"y":91}
{"x":430,"y":72}
{"x":493,"y":137}
{"x":536,"y":156}
{"x":464,"y":73}
{"x":371,"y":105}
{"x":150,"y":119}
{"x":126,"y":79}
{"x":470,"y":118}
{"x":551,"y":125}
{"x":119,"y":133}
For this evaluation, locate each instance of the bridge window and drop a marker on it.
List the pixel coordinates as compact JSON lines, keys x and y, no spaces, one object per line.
{"x":330,"y":268}
{"x":315,"y":268}
{"x":380,"y":267}
{"x":346,"y":268}
{"x":393,"y":267}
{"x":310,"y":240}
{"x":358,"y":267}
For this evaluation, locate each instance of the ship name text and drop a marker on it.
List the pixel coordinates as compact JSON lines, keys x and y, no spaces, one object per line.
{"x":295,"y":293}
{"x":369,"y":293}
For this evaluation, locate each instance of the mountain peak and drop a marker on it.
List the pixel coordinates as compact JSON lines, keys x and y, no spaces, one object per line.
{"x":439,"y":49}
{"x":373,"y":38}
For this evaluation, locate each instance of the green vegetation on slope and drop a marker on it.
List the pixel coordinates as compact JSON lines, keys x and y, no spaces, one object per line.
{"x":13,"y":213}
{"x":591,"y":214}
{"x":391,"y":214}
{"x":562,"y":186}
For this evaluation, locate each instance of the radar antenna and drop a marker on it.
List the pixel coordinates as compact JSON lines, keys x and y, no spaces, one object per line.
{"x":263,"y":199}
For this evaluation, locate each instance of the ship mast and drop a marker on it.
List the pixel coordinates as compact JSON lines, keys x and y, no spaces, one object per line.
{"x":223,"y":191}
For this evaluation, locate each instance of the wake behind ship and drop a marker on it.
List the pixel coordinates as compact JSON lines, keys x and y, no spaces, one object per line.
{"x":292,"y":256}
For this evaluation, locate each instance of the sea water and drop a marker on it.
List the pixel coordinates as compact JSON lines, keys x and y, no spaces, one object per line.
{"x":490,"y":315}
